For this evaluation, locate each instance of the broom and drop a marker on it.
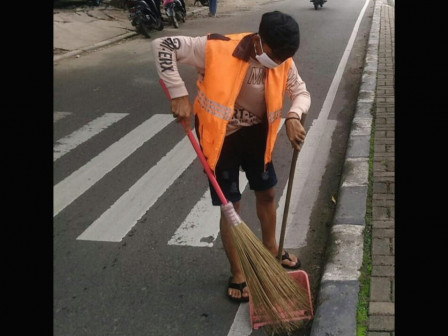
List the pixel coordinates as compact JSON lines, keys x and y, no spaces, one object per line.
{"x":273,"y":292}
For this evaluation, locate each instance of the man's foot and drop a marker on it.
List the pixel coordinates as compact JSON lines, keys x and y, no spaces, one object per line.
{"x":237,"y":291}
{"x":290,"y":261}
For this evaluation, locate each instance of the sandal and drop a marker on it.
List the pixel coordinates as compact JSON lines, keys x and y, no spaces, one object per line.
{"x":240,"y":287}
{"x":296,"y":266}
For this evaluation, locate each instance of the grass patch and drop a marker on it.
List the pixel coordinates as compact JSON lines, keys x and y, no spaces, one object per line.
{"x":362,"y":310}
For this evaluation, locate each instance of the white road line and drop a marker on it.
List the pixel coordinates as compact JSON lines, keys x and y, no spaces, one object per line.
{"x":241,"y":323}
{"x":66,"y":144}
{"x":60,"y":115}
{"x":201,"y":227}
{"x":116,"y":222}
{"x":331,"y":94}
{"x":66,"y":191}
{"x":310,"y":167}
{"x":314,"y":152}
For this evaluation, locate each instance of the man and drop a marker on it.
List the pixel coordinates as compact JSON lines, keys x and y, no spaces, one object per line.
{"x":241,"y":82}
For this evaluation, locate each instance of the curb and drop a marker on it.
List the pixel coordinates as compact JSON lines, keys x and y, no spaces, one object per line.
{"x":111,"y":41}
{"x":338,"y":295}
{"x":94,"y":46}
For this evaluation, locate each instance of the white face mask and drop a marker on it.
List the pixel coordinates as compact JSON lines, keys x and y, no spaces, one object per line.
{"x":264,"y":59}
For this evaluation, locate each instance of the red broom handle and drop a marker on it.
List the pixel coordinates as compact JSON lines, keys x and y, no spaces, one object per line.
{"x":201,"y":156}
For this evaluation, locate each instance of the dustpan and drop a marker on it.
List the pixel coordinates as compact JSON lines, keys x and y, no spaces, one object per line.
{"x":257,"y":320}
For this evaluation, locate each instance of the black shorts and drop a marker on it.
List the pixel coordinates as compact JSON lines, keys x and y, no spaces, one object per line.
{"x":245,"y":148}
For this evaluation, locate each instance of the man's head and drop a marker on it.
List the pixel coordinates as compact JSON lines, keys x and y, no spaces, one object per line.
{"x":281,"y":33}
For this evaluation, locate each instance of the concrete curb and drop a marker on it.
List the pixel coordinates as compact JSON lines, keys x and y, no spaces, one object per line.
{"x":112,"y":40}
{"x":338,"y":296}
{"x":93,"y":46}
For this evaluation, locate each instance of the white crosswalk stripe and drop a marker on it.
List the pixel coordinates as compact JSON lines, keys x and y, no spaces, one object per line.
{"x":116,"y":222}
{"x":69,"y":189}
{"x":66,"y":144}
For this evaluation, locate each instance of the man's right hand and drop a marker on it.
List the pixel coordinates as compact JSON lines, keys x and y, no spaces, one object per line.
{"x":181,"y":109}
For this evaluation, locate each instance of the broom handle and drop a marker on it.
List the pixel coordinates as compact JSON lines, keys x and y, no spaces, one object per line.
{"x":201,"y":156}
{"x":295,"y":154}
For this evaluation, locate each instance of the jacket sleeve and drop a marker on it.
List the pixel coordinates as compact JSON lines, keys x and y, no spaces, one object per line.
{"x":168,"y":51}
{"x":297,"y":92}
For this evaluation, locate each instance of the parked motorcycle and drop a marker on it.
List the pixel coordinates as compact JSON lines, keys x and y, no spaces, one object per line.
{"x":318,"y":3}
{"x":144,"y":16}
{"x":175,"y":11}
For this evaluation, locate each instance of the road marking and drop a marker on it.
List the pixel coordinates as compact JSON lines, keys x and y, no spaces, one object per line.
{"x":119,"y":219}
{"x":66,"y":144}
{"x":201,"y":226}
{"x":331,"y":94}
{"x":307,"y":178}
{"x":60,"y":115}
{"x":241,"y":323}
{"x":310,"y":167}
{"x":66,"y":191}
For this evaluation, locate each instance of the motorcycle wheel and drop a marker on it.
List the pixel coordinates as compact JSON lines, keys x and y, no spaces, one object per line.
{"x":158,"y":25}
{"x":316,"y":5}
{"x":180,"y":16}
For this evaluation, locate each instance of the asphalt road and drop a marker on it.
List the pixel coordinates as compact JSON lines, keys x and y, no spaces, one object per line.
{"x":127,"y":258}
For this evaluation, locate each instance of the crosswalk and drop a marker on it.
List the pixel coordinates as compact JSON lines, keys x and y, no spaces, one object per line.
{"x":201,"y":226}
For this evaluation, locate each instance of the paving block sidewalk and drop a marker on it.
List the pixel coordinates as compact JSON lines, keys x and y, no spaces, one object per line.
{"x":382,"y":286}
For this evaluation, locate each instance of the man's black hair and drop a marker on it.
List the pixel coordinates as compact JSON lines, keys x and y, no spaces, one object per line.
{"x":281,"y":32}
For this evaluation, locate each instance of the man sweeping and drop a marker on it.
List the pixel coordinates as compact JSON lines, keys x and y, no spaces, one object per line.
{"x":242,"y":79}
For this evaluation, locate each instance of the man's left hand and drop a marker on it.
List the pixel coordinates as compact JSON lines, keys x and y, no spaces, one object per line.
{"x":295,"y":131}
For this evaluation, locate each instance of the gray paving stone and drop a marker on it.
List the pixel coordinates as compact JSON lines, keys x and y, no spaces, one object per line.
{"x":381,"y":308}
{"x":381,"y":246}
{"x":381,"y":323}
{"x":383,"y":233}
{"x":383,"y":260}
{"x":352,"y":205}
{"x":358,"y":146}
{"x":355,"y":172}
{"x":383,"y":270}
{"x":336,"y":312}
{"x":383,"y":224}
{"x":380,"y":289}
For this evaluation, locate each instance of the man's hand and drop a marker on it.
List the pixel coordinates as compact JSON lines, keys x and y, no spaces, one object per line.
{"x":181,"y":109}
{"x":295,"y":131}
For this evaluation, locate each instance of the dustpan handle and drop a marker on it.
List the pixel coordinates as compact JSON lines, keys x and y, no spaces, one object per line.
{"x":295,"y":154}
{"x":201,"y":156}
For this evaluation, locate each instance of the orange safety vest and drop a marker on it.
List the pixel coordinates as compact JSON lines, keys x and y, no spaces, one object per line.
{"x":217,"y":93}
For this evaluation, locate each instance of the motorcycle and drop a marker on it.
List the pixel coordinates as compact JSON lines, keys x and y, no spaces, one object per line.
{"x":144,"y":16}
{"x":175,"y":11}
{"x":318,"y":3}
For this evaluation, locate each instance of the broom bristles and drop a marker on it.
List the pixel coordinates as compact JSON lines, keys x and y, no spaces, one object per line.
{"x":273,"y":292}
